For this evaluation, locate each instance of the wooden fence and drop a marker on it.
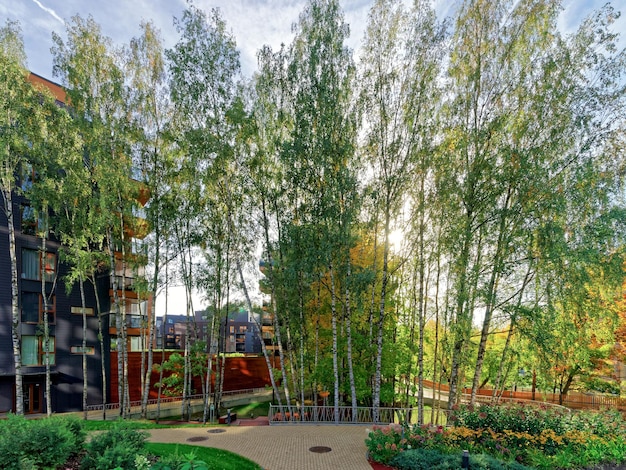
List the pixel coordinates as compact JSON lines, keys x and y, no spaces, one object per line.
{"x":573,"y":400}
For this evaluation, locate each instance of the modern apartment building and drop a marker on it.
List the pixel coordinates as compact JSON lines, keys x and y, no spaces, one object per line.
{"x":237,"y":332}
{"x":64,"y":311}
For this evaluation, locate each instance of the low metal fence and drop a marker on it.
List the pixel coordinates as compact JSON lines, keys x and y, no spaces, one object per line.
{"x":338,"y":415}
{"x":166,"y":403}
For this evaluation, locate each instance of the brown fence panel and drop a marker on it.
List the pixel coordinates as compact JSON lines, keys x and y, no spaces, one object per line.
{"x":239,"y":373}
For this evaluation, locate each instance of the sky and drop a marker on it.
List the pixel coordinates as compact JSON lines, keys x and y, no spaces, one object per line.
{"x":253,"y":23}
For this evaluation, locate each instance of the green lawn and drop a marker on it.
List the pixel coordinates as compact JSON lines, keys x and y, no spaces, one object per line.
{"x":253,"y":409}
{"x":214,"y":458}
{"x":99,"y":425}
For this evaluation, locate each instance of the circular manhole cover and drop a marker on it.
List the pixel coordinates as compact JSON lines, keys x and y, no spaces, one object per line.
{"x":197,"y":439}
{"x":320,"y":449}
{"x":216,"y":431}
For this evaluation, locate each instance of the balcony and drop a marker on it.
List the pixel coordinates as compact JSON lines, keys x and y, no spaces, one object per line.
{"x":132,"y":321}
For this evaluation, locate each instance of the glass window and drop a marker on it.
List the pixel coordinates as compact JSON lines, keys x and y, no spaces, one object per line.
{"x":136,"y":307}
{"x":135,"y":343}
{"x":135,"y":321}
{"x":30,"y":223}
{"x":49,"y":266}
{"x":89,"y":350}
{"x":31,"y":265}
{"x":30,"y":349}
{"x":32,"y":308}
{"x":33,"y":350}
{"x":29,"y":176}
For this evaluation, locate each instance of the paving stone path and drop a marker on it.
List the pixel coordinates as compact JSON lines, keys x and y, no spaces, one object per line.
{"x":281,"y":447}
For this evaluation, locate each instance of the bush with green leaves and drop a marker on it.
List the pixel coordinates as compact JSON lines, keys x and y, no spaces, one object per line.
{"x":514,"y":417}
{"x":178,"y":461}
{"x":385,"y":442}
{"x":116,"y":448}
{"x":603,"y":423}
{"x":425,"y":459}
{"x":41,"y":443}
{"x":430,"y":459}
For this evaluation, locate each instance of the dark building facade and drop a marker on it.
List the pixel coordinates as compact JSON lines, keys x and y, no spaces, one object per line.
{"x":64,"y":318}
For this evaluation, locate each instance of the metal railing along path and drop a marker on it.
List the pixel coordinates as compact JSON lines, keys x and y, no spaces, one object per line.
{"x":337,"y":415}
{"x":134,"y":407}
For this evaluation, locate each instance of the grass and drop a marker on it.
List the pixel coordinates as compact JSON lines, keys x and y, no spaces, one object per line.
{"x":99,"y":425}
{"x":214,"y":458}
{"x":256,"y":409}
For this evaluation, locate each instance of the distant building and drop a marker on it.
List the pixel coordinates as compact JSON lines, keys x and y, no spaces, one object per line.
{"x":237,"y":332}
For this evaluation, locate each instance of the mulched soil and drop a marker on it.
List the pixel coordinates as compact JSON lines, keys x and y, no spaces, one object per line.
{"x":73,"y":463}
{"x":379,"y":466}
{"x":258,"y":421}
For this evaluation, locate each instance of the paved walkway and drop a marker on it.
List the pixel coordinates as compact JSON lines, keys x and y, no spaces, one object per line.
{"x":281,"y":447}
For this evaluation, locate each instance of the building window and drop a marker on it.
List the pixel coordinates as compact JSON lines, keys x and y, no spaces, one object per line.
{"x":136,"y":321}
{"x":136,"y":343}
{"x":30,"y":224}
{"x":33,"y":308}
{"x":79,"y":311}
{"x":28,"y":176}
{"x":31,"y":265}
{"x":136,"y":307}
{"x":89,"y":350}
{"x":34,"y":353}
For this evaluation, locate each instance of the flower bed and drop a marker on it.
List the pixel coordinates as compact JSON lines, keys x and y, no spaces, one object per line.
{"x":514,"y":435}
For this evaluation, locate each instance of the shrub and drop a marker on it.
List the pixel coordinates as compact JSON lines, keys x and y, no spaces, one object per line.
{"x":75,"y":426}
{"x":43,"y":443}
{"x":117,"y":447}
{"x":427,"y":459}
{"x":531,"y":419}
{"x":384,"y":443}
{"x":12,"y":435}
{"x":603,"y":423}
{"x":49,"y":443}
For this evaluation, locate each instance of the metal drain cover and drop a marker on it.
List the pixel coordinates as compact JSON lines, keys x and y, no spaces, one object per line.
{"x":320,"y":449}
{"x":197,"y":439}
{"x":216,"y":431}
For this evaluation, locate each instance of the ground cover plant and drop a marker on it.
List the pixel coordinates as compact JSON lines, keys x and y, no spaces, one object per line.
{"x":536,"y":437}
